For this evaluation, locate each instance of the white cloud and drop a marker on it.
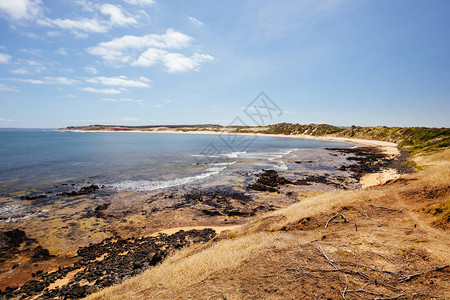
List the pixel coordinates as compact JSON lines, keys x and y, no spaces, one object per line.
{"x":6,"y":120}
{"x":174,"y":62}
{"x":91,"y":70}
{"x":5,"y":88}
{"x":117,"y":81}
{"x":48,"y":80}
{"x":21,"y":9}
{"x":4,"y":58}
{"x":145,"y":79}
{"x":61,"y":51}
{"x":32,"y":81}
{"x":27,"y":66}
{"x":194,"y":21}
{"x":117,"y":17}
{"x":109,"y":100}
{"x":102,"y":91}
{"x":121,"y":50}
{"x":140,"y":2}
{"x":53,"y":33}
{"x":86,"y":5}
{"x":83,"y":24}
{"x":60,"y":80}
{"x":20,"y":71}
{"x":138,"y":101}
{"x":150,"y":57}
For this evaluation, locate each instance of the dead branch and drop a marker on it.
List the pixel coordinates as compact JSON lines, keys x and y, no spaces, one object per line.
{"x":386,"y":258}
{"x":367,"y":292}
{"x":386,"y":208}
{"x":409,"y":277}
{"x":334,"y":217}
{"x":269,"y":275}
{"x":365,"y":266}
{"x":345,"y":288}
{"x":326,"y":257}
{"x":353,"y":272}
{"x":392,"y":297}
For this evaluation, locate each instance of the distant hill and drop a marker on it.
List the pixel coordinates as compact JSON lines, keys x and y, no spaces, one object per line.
{"x":414,"y":139}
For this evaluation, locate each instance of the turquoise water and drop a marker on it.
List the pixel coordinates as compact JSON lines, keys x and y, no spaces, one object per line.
{"x":33,"y":159}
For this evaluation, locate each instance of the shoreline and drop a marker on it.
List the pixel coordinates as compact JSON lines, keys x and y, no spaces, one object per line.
{"x":389,"y":149}
{"x":96,"y":222}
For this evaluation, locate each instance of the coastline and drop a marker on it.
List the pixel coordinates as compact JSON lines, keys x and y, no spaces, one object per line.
{"x":389,"y":149}
{"x":89,"y":221}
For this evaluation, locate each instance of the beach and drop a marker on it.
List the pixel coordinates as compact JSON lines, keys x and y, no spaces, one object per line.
{"x":89,"y":214}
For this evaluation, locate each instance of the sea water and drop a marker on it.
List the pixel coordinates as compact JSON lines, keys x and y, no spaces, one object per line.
{"x":40,"y":158}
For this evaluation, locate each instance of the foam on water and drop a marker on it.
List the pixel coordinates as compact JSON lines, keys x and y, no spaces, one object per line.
{"x":147,"y":185}
{"x":13,"y":213}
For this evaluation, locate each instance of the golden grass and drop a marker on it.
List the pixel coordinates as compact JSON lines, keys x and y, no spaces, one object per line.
{"x":195,"y":264}
{"x":191,"y":265}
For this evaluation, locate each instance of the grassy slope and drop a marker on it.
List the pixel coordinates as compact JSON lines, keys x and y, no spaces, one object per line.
{"x":282,"y":255}
{"x":414,"y":139}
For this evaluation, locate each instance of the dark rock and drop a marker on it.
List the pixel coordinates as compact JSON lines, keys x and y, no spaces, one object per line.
{"x":82,"y":191}
{"x":41,"y":254}
{"x":211,"y":212}
{"x":15,"y":237}
{"x":33,"y":197}
{"x":268,"y":181}
{"x":99,"y":210}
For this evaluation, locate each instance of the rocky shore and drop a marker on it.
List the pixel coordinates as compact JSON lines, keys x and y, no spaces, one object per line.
{"x":119,"y":231}
{"x":100,"y":265}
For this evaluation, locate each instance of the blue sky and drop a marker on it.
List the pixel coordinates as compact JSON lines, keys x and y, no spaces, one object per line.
{"x":138,"y":62}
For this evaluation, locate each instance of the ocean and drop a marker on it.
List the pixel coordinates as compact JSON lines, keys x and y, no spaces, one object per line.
{"x":38,"y":159}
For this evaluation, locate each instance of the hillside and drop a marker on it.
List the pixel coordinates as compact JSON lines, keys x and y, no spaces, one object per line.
{"x":386,"y":242}
{"x":413,"y":139}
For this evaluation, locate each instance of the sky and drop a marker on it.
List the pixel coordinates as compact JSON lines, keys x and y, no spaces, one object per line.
{"x":151,"y":62}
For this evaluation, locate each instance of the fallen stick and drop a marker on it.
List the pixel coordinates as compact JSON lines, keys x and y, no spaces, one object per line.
{"x":409,"y":277}
{"x":386,"y":208}
{"x":334,"y":217}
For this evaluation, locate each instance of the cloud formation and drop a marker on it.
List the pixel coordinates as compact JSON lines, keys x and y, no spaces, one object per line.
{"x":121,"y":50}
{"x":140,"y":2}
{"x":122,"y":81}
{"x":21,"y":9}
{"x":5,"y":88}
{"x":113,"y":16}
{"x":48,"y":80}
{"x":102,"y":91}
{"x":194,"y":21}
{"x":128,"y":49}
{"x":174,"y":62}
{"x":4,"y":58}
{"x":117,"y":17}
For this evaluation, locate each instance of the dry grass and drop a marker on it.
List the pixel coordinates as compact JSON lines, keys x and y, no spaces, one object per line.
{"x":256,"y":260}
{"x":193,"y":264}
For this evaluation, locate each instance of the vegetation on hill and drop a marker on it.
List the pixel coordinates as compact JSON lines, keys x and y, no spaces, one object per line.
{"x":413,"y":139}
